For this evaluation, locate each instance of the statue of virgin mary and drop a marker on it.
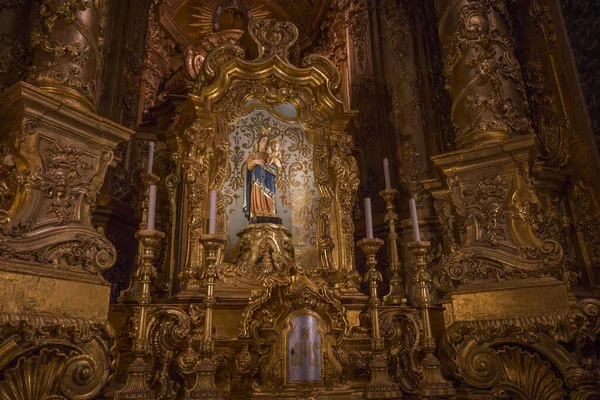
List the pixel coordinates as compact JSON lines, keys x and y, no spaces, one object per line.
{"x":260,"y":191}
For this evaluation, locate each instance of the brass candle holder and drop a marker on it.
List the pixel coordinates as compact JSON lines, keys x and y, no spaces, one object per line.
{"x":432,"y":383}
{"x":380,"y":385}
{"x":136,"y":386}
{"x":204,"y":387}
{"x":397,"y":294}
{"x":132,"y":293}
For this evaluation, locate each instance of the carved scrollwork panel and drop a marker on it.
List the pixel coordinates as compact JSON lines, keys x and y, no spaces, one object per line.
{"x":511,"y":356}
{"x":274,"y":38}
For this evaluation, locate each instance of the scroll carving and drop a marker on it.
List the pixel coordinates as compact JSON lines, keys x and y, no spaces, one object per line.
{"x":327,"y":68}
{"x":55,"y":356}
{"x":402,"y":334}
{"x":526,"y":351}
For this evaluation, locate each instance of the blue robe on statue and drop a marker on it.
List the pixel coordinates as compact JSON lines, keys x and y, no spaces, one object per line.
{"x":260,"y":178}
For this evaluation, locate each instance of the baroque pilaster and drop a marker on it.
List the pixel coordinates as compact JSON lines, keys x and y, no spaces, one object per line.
{"x":567,"y":158}
{"x":413,"y":138}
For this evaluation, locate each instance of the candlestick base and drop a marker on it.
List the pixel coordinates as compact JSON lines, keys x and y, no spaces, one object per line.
{"x":380,"y":385}
{"x":396,"y":296}
{"x":432,"y":383}
{"x":204,"y":386}
{"x":136,"y":386}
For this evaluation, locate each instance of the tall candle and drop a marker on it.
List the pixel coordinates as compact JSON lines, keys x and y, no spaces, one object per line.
{"x":368,"y":218}
{"x":415,"y":219}
{"x":150,"y":157}
{"x":212,"y":221}
{"x":151,"y":207}
{"x":386,"y":173}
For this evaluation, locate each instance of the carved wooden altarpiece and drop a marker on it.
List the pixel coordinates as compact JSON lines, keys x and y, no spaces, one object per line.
{"x":283,"y":315}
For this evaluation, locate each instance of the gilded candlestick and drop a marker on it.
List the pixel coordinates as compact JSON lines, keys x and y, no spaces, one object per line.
{"x":204,"y":386}
{"x":397,"y":294}
{"x":132,"y":293}
{"x":136,"y":385}
{"x":380,"y":385}
{"x":432,"y":383}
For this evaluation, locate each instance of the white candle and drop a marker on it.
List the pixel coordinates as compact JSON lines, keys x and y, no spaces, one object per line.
{"x":415,"y":219}
{"x":386,"y":173}
{"x":368,"y":218}
{"x":151,"y":207}
{"x":212,"y":221}
{"x":150,"y":157}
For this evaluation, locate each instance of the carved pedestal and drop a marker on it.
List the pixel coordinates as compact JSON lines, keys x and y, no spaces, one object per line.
{"x":53,"y":160}
{"x":495,"y":207}
{"x":497,"y":272}
{"x":54,"y":157}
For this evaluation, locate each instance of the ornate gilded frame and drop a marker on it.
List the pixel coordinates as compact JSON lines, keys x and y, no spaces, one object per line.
{"x":223,"y":87}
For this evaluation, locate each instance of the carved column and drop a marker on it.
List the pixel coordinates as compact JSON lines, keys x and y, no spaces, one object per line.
{"x":481,"y":71}
{"x":504,"y":257}
{"x":367,"y":95}
{"x":487,"y":205}
{"x":199,"y":138}
{"x":67,"y":43}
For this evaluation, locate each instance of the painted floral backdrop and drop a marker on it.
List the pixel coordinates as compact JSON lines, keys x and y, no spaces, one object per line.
{"x":297,"y":196}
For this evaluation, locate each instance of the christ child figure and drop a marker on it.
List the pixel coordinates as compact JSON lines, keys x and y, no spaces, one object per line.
{"x":275,"y":153}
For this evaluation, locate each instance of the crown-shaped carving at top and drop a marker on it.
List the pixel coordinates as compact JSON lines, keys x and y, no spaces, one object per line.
{"x":274,"y":39}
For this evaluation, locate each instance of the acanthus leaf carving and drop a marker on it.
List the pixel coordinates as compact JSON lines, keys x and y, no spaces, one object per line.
{"x":94,"y":253}
{"x":67,"y":63}
{"x":495,"y":229}
{"x":69,"y":175}
{"x":485,"y":210}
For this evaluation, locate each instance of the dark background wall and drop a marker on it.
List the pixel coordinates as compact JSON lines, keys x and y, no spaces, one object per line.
{"x":582,"y":21}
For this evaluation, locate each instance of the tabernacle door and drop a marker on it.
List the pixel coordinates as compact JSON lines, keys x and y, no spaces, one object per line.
{"x":304,"y":349}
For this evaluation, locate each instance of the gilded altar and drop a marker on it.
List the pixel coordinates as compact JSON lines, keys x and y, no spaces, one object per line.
{"x":267,"y":305}
{"x":181,"y":190}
